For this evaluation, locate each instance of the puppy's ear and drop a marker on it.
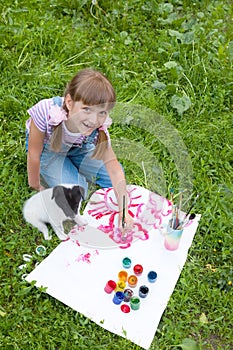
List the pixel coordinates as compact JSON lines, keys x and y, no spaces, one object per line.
{"x":57,"y":192}
{"x":82,"y":191}
{"x":77,"y":192}
{"x":62,"y":197}
{"x":75,"y":198}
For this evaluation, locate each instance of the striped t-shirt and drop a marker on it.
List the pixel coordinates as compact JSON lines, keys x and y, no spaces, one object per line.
{"x":40,"y":113}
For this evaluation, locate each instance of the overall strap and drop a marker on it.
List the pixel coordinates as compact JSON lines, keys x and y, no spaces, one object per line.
{"x":92,"y":138}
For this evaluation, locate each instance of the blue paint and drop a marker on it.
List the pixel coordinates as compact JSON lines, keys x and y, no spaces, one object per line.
{"x":152,"y":276}
{"x":118,"y":298}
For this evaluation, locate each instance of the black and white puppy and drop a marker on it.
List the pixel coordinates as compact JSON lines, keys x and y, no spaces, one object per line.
{"x":54,"y":206}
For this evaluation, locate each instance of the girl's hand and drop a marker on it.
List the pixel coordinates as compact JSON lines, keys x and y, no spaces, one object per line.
{"x":127,"y":224}
{"x":38,"y":189}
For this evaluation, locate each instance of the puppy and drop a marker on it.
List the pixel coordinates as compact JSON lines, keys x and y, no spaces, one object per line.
{"x":54,"y":206}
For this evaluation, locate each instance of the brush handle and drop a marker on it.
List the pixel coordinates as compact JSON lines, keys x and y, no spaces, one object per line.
{"x":191,"y":207}
{"x":123,"y":213}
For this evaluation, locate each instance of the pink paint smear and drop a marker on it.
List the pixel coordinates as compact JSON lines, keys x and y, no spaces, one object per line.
{"x":146,"y":216}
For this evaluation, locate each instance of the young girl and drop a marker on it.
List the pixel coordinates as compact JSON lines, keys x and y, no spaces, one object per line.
{"x":68,"y":141}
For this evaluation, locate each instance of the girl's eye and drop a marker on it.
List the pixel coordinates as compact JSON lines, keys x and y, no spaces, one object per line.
{"x":103,"y":113}
{"x":86,"y":109}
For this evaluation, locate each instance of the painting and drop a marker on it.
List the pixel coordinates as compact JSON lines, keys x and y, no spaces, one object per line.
{"x":86,"y":271}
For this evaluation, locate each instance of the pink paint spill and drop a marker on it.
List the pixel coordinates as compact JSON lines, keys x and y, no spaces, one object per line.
{"x":87,"y":257}
{"x":84,"y":258}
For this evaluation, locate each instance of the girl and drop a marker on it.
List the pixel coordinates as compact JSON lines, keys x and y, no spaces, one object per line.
{"x":68,"y":140}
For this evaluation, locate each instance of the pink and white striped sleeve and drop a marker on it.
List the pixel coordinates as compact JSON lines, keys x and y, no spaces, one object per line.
{"x":40,"y":114}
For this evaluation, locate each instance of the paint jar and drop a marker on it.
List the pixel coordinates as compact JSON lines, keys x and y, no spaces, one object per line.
{"x":125,"y":308}
{"x":128,"y":295}
{"x":41,"y":250}
{"x":120,"y":286}
{"x":126,"y":262}
{"x":152,"y":276}
{"x":132,"y":281}
{"x":135,"y":303}
{"x":118,"y":298}
{"x":172,"y":238}
{"x":138,"y":269}
{"x":122,"y":275}
{"x":110,"y":286}
{"x":143,"y":291}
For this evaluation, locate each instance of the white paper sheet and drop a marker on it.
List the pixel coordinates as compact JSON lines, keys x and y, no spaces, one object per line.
{"x":76,"y":273}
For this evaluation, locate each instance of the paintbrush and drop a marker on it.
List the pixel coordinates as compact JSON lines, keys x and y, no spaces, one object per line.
{"x":186,"y":215}
{"x":173,"y":219}
{"x":186,"y":221}
{"x":177,"y":222}
{"x":171,"y":194}
{"x":192,"y":205}
{"x":123,"y":223}
{"x":177,"y":218}
{"x":180,"y":203}
{"x":178,"y":194}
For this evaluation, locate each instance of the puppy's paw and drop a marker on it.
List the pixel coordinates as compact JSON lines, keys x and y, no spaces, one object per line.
{"x":62,"y":236}
{"x":47,"y":237}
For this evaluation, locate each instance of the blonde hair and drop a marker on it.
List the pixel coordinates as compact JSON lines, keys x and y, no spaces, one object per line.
{"x":92,"y":88}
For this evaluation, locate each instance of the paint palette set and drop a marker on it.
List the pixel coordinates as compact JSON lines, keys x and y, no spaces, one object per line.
{"x":124,"y":288}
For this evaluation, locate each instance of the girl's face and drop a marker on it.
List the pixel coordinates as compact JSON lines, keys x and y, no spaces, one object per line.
{"x":84,"y":119}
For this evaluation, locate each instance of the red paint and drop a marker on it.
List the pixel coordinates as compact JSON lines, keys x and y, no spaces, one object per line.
{"x":138,"y":269}
{"x":125,"y":308}
{"x":110,"y":286}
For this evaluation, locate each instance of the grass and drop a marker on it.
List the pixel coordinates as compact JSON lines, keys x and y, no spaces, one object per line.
{"x":171,"y":59}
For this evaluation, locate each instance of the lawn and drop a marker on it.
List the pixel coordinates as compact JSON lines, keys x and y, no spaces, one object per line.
{"x":171,"y":65}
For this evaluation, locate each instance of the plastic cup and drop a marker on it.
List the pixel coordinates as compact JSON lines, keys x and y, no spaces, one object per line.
{"x":135,"y":303}
{"x":132,"y":281}
{"x":128,"y":294}
{"x":152,"y":276}
{"x":125,"y":308}
{"x":126,"y":262}
{"x":172,"y":238}
{"x":118,"y":298}
{"x":122,"y":275}
{"x":110,"y":287}
{"x":40,"y":250}
{"x":120,"y":286}
{"x":138,"y":269}
{"x":143,"y":291}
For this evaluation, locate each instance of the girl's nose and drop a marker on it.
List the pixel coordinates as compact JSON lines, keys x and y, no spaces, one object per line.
{"x":94,"y":119}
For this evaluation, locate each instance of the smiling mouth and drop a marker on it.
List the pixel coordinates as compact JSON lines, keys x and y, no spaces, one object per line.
{"x":89,"y":126}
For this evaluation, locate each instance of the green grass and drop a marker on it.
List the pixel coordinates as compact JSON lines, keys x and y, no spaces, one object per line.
{"x":173,"y":59}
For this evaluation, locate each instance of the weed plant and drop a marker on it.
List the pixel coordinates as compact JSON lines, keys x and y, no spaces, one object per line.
{"x":174,"y":57}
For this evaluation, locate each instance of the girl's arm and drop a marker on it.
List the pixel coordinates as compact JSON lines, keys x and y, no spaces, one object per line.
{"x":35,"y":147}
{"x":117,"y":177}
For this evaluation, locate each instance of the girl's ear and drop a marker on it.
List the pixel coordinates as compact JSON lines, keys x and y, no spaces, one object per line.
{"x":68,"y":102}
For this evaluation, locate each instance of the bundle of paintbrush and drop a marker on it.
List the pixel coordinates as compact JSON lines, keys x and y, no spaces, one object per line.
{"x":177,"y":222}
{"x":174,"y":222}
